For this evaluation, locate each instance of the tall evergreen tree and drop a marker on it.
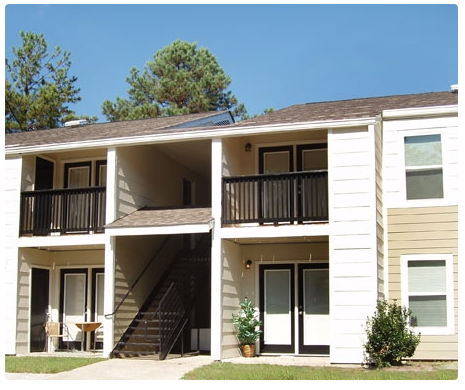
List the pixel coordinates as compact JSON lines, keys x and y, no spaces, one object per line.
{"x":182,"y":78}
{"x":37,"y":86}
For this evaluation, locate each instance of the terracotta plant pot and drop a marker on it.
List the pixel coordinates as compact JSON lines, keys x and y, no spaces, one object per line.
{"x":248,"y":350}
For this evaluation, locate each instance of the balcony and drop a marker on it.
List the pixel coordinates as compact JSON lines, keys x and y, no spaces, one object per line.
{"x":63,"y":211}
{"x":295,"y":197}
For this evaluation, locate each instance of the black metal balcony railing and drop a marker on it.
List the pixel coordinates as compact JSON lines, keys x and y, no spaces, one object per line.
{"x":70,"y":210}
{"x":275,"y":198}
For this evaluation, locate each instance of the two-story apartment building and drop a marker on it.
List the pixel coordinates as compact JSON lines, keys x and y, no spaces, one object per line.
{"x":314,"y":212}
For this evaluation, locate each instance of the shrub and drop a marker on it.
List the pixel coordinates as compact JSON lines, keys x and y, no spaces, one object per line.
{"x":389,"y":337}
{"x":247,"y":323}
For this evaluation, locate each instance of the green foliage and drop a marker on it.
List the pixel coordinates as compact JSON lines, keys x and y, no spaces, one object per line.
{"x":37,"y":86}
{"x":46,"y":364}
{"x":232,"y":371}
{"x":389,"y":338}
{"x":181,"y":79}
{"x":247,"y":323}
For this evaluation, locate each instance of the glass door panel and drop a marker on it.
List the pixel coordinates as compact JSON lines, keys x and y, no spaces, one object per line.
{"x":276,"y":191}
{"x":277,"y":308}
{"x":78,"y":175}
{"x":314,"y":332}
{"x":74,"y":302}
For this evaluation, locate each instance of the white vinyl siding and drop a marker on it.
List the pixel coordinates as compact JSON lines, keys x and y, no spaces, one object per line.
{"x":427,"y":291}
{"x":353,"y":267}
{"x":11,"y":199}
{"x":394,"y":166}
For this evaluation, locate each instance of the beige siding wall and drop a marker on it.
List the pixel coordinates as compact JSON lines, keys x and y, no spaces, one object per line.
{"x":238,"y":162}
{"x":432,"y":230}
{"x":133,"y":253}
{"x":148,"y":177}
{"x":238,"y":283}
{"x":55,"y":262}
{"x":232,"y":292}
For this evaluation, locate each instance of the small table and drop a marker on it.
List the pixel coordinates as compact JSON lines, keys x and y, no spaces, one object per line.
{"x":87,"y":327}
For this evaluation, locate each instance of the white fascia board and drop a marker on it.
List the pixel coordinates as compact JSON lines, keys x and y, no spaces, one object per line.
{"x":216,"y":132}
{"x":66,"y":240}
{"x":420,"y":112}
{"x":160,"y":230}
{"x":320,"y":229}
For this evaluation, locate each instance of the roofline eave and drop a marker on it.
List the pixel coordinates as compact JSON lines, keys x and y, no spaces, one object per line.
{"x":217,"y":132}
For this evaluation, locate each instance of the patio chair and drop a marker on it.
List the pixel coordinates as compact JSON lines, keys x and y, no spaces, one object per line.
{"x":98,"y":335}
{"x":56,"y":329}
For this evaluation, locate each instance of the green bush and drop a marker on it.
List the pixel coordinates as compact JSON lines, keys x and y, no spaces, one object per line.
{"x":389,"y":337}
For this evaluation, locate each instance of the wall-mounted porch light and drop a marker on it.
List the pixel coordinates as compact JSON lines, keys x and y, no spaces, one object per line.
{"x":248,"y":147}
{"x":248,"y":264}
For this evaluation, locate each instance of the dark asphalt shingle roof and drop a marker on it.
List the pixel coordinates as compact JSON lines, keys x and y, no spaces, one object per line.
{"x":300,"y":113}
{"x":101,"y":131}
{"x":157,"y":217}
{"x":351,"y":108}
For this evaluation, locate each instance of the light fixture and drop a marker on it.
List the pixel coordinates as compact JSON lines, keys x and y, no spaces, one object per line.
{"x":248,"y":147}
{"x":248,"y":264}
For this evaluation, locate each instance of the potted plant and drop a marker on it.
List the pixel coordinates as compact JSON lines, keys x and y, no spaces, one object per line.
{"x":247,"y":326}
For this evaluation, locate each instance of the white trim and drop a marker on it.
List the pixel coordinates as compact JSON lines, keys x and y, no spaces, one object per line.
{"x":65,"y":240}
{"x":433,"y":202}
{"x":189,"y":135}
{"x":448,"y":257}
{"x":216,"y":272}
{"x":317,"y":229}
{"x":160,"y":230}
{"x":109,"y":295}
{"x":420,"y":112}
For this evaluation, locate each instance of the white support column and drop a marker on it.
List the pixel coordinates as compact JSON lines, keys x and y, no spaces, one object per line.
{"x":216,"y":293}
{"x":111,"y":186}
{"x":109,"y":296}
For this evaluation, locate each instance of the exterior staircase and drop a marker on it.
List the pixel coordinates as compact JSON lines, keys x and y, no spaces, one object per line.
{"x":164,"y":316}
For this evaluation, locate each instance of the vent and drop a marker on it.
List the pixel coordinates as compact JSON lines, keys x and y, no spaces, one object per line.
{"x":77,"y":123}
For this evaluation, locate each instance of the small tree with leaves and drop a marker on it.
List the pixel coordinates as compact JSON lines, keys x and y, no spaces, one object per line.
{"x":389,"y":336}
{"x":38,"y":88}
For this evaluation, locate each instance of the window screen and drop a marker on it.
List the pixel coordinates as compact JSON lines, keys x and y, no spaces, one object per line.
{"x":423,"y":164}
{"x":427,"y":290}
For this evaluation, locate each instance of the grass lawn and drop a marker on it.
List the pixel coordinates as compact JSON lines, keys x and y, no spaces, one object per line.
{"x":230,"y":371}
{"x":46,"y":364}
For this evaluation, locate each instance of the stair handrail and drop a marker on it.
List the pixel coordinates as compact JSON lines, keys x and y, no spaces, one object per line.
{"x":107,"y":316}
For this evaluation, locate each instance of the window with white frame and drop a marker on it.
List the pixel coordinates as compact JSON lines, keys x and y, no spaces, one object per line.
{"x":427,"y":290}
{"x":423,"y":167}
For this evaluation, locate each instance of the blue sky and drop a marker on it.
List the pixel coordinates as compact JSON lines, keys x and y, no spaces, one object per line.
{"x":276,"y":55}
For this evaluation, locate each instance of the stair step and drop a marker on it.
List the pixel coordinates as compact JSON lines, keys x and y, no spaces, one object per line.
{"x":142,"y":337}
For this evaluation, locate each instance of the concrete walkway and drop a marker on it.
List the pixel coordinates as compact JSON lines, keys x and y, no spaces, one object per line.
{"x":148,"y":369}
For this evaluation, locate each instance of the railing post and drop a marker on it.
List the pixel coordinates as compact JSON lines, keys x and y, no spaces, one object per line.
{"x":64,"y":211}
{"x":273,"y":198}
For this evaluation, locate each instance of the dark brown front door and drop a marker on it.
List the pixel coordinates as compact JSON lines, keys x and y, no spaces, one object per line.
{"x":43,"y":202}
{"x":39,"y":306}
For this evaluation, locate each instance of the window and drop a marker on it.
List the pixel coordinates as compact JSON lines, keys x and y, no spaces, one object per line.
{"x":423,"y":167}
{"x":427,"y":290}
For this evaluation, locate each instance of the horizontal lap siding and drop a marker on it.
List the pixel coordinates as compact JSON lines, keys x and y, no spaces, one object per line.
{"x":12,"y":187}
{"x":425,"y":231}
{"x":353,"y":240}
